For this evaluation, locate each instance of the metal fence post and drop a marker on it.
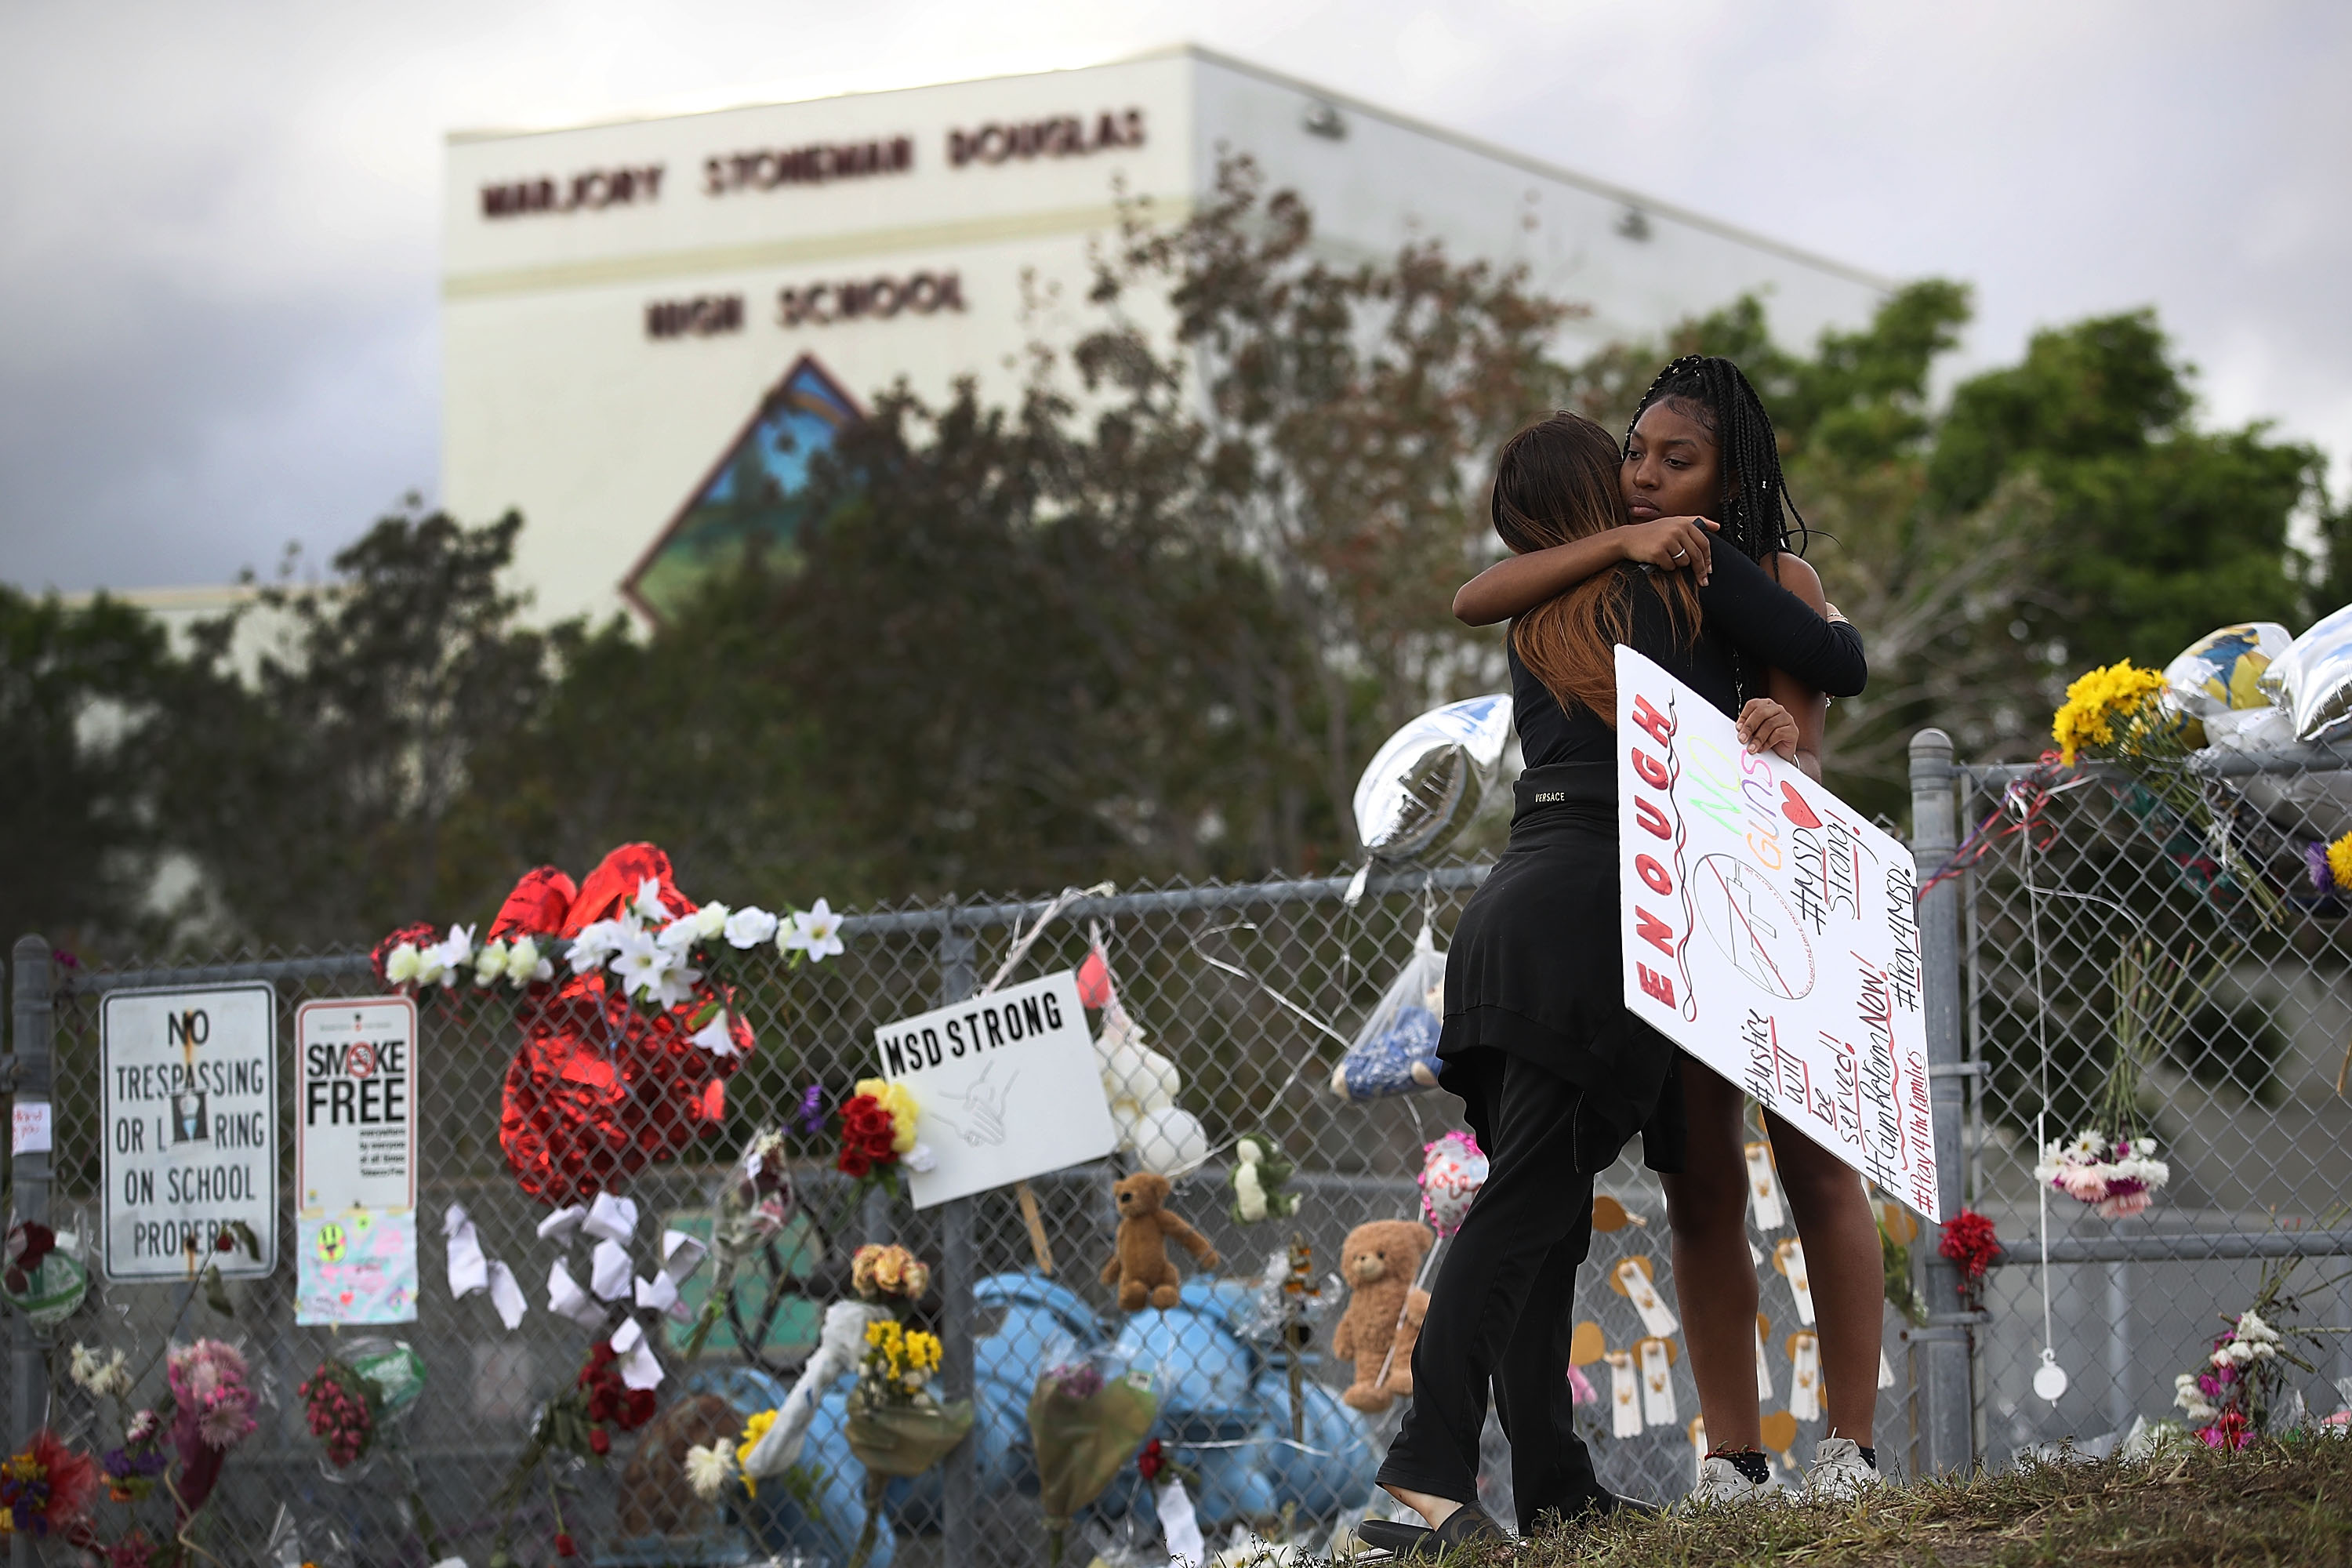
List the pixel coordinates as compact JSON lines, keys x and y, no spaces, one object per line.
{"x":960,"y":1523}
{"x":28,"y":1076}
{"x":1948,"y":1422}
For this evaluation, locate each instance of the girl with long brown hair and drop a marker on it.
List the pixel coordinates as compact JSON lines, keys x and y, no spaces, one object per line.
{"x":1555,"y":1077}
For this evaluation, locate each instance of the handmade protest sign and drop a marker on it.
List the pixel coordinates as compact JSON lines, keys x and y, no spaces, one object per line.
{"x":1005,"y":1086}
{"x":355,"y":1160}
{"x":1772,"y":932}
{"x":188,"y":1106}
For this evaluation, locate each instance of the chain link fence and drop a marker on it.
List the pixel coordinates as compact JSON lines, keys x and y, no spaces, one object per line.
{"x":2094,"y":886}
{"x":1244,"y":987}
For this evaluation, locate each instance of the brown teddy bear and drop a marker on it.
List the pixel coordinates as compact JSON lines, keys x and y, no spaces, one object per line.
{"x":1378,"y":1261}
{"x":1141,"y":1265}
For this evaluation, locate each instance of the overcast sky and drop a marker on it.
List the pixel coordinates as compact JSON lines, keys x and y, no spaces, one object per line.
{"x":218,"y":222}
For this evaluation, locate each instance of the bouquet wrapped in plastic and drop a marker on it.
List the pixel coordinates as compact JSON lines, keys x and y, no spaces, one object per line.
{"x":1085,"y":1423}
{"x":896,"y":1426}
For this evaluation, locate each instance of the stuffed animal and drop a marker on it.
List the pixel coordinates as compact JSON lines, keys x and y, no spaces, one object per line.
{"x":1378,"y":1261}
{"x":1258,"y":1173}
{"x":1141,"y":1265}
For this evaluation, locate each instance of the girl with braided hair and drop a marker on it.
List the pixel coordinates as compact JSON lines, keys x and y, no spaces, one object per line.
{"x":1700,"y":470}
{"x":1556,"y":1076}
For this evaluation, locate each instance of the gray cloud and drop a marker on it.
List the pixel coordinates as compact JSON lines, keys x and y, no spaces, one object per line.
{"x":218,"y":254}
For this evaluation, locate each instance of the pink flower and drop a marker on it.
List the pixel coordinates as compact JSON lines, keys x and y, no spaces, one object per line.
{"x":2123,"y":1203}
{"x":2084,"y":1182}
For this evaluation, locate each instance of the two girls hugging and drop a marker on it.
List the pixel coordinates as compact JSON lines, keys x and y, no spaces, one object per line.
{"x":1675,"y":542}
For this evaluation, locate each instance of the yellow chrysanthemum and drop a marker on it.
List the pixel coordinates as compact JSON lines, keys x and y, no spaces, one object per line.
{"x":2096,"y":701}
{"x":754,"y":1430}
{"x":2339,"y":861}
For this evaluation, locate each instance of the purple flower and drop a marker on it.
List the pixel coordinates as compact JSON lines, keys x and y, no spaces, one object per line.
{"x":1076,"y":1380}
{"x":811,"y":1111}
{"x":2314,"y":860}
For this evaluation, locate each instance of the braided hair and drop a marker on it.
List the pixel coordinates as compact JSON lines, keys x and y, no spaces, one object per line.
{"x":1712,"y":390}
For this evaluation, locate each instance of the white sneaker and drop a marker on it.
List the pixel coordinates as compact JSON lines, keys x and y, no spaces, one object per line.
{"x":1720,"y":1485}
{"x":1839,"y":1472}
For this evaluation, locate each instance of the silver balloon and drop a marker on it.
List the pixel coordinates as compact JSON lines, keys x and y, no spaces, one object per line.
{"x":1428,"y":779}
{"x":2313,"y":682}
{"x":2221,"y":671}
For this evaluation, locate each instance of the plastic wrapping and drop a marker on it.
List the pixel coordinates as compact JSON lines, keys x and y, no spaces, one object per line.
{"x":1396,"y":1050}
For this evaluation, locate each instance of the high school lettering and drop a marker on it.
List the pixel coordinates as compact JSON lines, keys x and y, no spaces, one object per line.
{"x":1772,"y":932}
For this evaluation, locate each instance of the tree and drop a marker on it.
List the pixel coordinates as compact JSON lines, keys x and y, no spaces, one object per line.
{"x":1344,"y":420}
{"x":336,"y":789}
{"x":2158,"y":532}
{"x":82,"y":690}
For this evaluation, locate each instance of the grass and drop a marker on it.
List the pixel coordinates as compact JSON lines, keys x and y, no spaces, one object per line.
{"x":2275,"y":1503}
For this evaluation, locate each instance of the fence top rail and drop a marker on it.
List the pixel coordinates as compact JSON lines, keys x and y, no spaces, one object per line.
{"x":937,"y":918}
{"x":2212,"y":763}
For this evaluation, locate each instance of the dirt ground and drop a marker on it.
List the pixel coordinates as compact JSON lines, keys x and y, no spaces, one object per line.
{"x":2275,"y":1502}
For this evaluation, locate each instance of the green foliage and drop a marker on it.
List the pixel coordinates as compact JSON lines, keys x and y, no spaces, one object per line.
{"x":80,"y":692}
{"x":337,"y":785}
{"x":2158,"y":532}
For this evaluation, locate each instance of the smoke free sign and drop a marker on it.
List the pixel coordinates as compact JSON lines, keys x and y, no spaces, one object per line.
{"x":188,"y":1102}
{"x":355,"y":1128}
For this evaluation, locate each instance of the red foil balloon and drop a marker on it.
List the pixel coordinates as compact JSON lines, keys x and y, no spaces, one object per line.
{"x":599,"y":1087}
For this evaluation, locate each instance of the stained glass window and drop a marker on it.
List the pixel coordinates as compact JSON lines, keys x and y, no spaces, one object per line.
{"x":753,"y":499}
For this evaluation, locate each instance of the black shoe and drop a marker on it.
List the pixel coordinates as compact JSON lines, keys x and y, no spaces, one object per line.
{"x":1465,"y":1526}
{"x":1393,"y":1536}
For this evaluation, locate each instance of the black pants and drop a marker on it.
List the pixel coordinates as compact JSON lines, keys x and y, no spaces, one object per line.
{"x":1502,"y":1308}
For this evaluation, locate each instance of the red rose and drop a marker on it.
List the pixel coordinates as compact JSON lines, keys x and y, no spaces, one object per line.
{"x":853,"y":1162}
{"x":1150,"y":1459}
{"x":641,"y":1409}
{"x":878,"y":1145}
{"x":599,"y":1440}
{"x":563,"y":1545}
{"x":603,"y":1403}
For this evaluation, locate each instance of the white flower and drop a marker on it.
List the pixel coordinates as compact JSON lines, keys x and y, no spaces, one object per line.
{"x":750,"y":926}
{"x":647,"y":905}
{"x":2252,"y":1327}
{"x":767,"y":1146}
{"x":524,"y":963}
{"x":404,"y":964}
{"x":679,"y":934}
{"x":101,"y":1378}
{"x":720,"y":1041}
{"x":709,"y":921}
{"x":637,"y":960}
{"x":674,"y":981}
{"x":709,"y":1467}
{"x":597,"y":940}
{"x":454,"y":954}
{"x":490,"y":963}
{"x":919,"y":1159}
{"x":2191,"y":1398}
{"x":816,"y":932}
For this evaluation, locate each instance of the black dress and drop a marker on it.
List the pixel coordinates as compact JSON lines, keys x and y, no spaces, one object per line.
{"x":1554,"y":1074}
